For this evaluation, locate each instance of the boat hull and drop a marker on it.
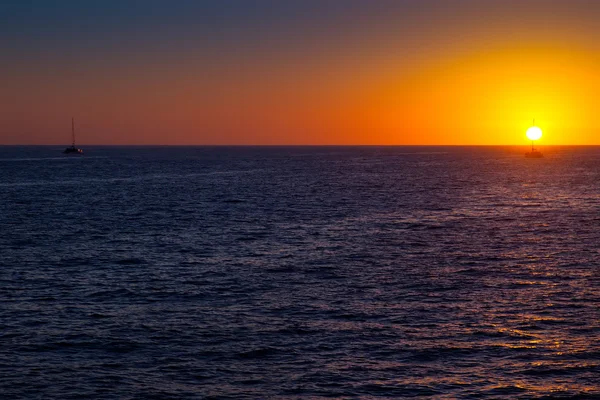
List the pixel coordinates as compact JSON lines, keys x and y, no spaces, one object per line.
{"x":534,"y":154}
{"x":72,"y":150}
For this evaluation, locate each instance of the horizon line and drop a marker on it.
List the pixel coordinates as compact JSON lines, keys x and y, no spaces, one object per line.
{"x":303,"y":145}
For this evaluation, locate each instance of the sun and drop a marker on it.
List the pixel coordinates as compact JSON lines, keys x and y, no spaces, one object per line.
{"x":534,"y":133}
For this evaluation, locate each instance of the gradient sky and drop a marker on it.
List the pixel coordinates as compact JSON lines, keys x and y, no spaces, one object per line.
{"x":299,"y":72}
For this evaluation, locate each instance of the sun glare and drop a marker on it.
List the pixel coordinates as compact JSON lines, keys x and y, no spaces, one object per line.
{"x":534,"y":133}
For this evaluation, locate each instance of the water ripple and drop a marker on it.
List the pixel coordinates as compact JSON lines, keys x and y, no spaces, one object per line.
{"x":296,"y":272}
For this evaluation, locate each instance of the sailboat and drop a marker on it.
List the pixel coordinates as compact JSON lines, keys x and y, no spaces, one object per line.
{"x":534,"y":133}
{"x":73,"y":149}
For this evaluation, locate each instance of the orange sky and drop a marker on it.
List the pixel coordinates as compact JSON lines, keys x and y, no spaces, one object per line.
{"x":446,"y":72}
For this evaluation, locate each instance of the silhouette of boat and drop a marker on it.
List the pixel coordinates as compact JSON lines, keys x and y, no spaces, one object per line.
{"x":534,"y":154}
{"x":73,"y":149}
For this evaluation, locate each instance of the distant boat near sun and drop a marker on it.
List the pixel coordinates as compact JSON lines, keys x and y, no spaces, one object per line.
{"x":73,"y":149}
{"x":534,"y":133}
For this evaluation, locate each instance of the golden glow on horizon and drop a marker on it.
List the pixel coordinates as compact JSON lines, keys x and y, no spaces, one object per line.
{"x":488,"y":97}
{"x":475,"y":97}
{"x":534,"y":133}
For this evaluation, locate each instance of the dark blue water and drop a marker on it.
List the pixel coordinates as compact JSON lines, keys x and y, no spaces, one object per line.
{"x":247,"y":273}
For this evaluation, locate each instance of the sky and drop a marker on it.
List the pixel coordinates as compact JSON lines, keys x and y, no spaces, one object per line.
{"x":304,"y":72}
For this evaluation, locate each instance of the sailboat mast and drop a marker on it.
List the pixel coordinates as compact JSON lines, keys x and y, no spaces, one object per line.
{"x":532,"y":140}
{"x":73,"y":130}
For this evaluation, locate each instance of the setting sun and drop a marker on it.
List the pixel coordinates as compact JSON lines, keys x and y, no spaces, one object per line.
{"x":534,"y":133}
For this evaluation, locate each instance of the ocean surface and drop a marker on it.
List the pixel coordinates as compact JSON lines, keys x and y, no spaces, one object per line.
{"x":299,"y":272}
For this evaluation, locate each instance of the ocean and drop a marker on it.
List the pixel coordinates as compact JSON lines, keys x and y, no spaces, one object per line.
{"x":299,"y":272}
